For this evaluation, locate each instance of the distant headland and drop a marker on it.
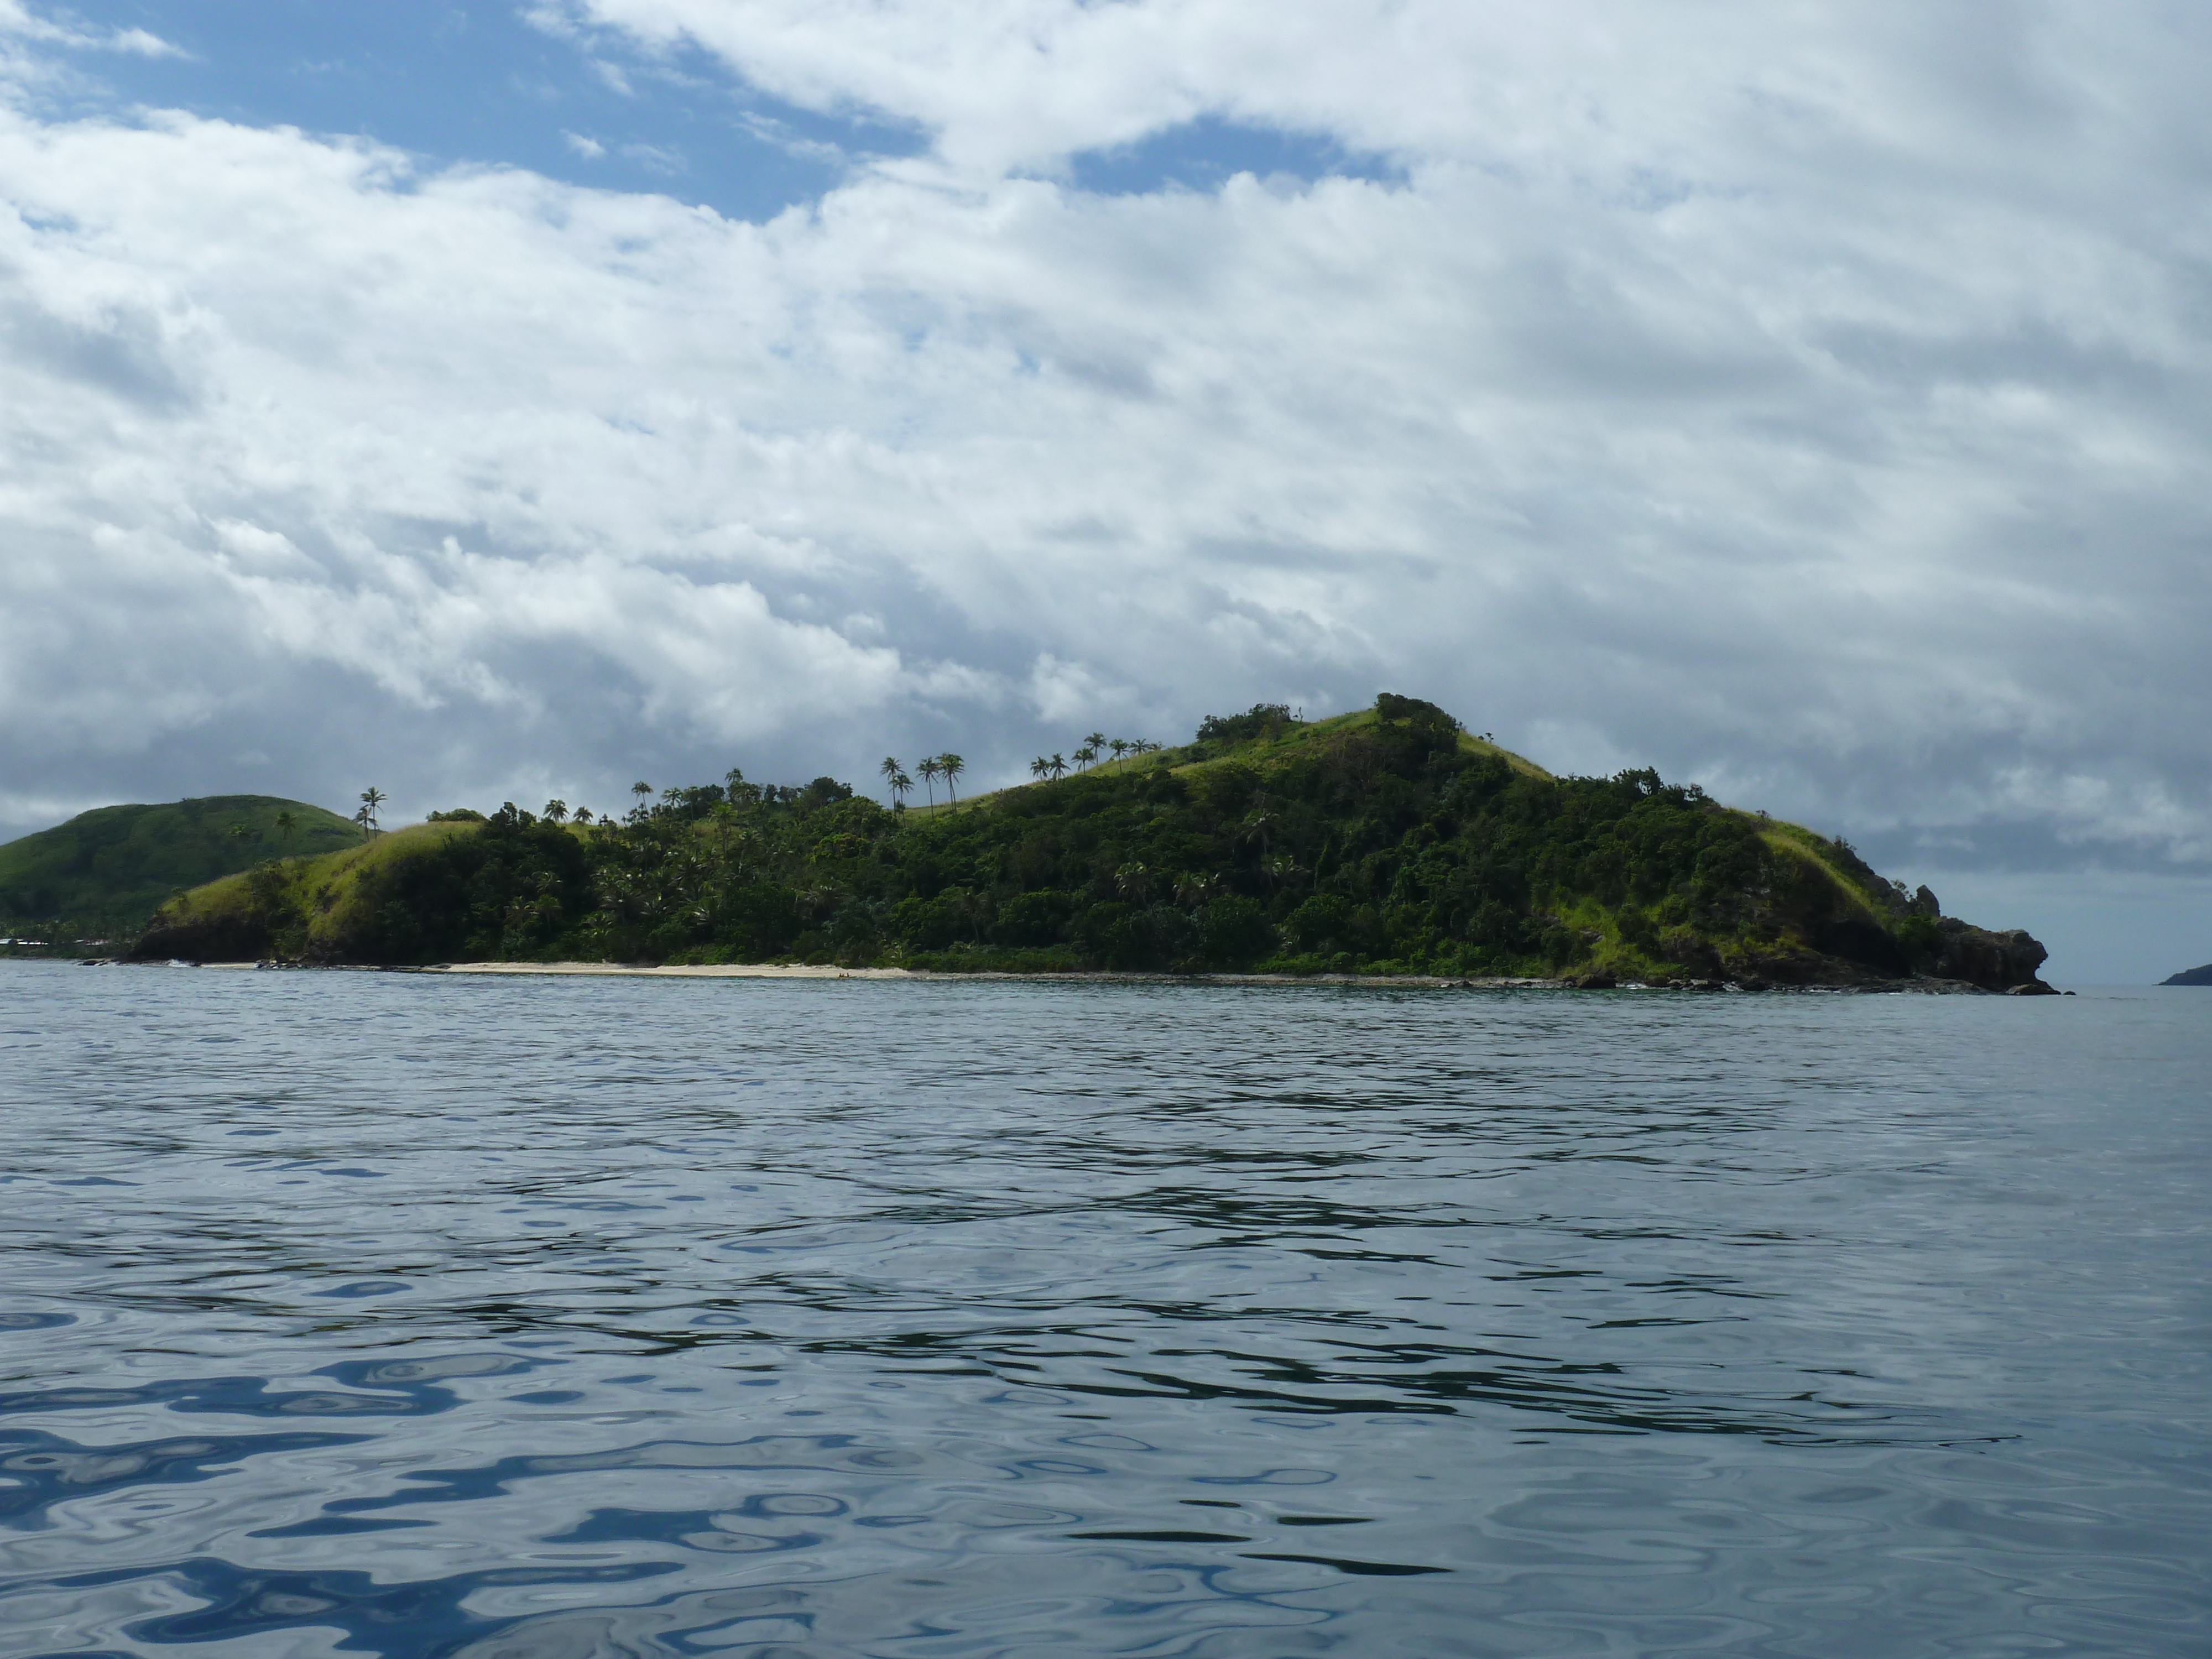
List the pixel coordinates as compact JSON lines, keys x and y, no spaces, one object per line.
{"x":2191,"y":976}
{"x":96,"y":879}
{"x":1386,"y":842}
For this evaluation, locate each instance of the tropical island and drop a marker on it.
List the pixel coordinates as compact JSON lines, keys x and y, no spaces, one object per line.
{"x":1389,"y":841}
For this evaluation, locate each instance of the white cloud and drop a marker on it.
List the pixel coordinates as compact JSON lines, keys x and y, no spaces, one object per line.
{"x":19,"y":21}
{"x":590,"y":149}
{"x":657,"y":158}
{"x":1809,"y":399}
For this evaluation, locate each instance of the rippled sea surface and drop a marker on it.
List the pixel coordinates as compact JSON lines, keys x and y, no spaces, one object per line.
{"x":395,"y":1315}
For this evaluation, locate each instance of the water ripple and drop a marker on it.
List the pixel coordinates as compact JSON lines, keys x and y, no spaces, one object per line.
{"x":425,"y":1317}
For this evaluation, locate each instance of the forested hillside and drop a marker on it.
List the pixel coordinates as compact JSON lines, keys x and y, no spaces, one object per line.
{"x":1385,"y":842}
{"x":106,"y":870}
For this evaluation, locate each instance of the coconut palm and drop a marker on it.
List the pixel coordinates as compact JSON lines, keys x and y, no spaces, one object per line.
{"x":1133,"y":881}
{"x":1121,"y":746}
{"x":1259,"y":825}
{"x":929,"y":766}
{"x":557,"y":811}
{"x":952,"y":766}
{"x":1057,"y":765}
{"x":287,"y":826}
{"x":1095,"y":741}
{"x":1194,"y":891}
{"x":583,"y":815}
{"x":1085,"y":755}
{"x":902,"y":786}
{"x":371,"y":799}
{"x":1040,"y":766}
{"x":889,"y":769}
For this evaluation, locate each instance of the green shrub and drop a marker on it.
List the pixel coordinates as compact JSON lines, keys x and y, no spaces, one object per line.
{"x":1237,"y":932}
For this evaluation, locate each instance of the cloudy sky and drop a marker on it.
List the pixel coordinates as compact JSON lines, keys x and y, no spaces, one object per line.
{"x":499,"y":400}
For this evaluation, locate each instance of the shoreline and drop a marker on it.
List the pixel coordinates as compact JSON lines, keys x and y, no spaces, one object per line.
{"x":801,"y":970}
{"x":1917,"y":987}
{"x":829,"y":971}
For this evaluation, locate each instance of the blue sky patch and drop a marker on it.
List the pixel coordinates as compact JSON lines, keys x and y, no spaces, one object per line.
{"x":1205,"y":154}
{"x":475,"y":84}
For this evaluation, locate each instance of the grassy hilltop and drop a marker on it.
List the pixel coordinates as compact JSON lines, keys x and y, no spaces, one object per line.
{"x":1387,"y":840}
{"x":105,"y":872}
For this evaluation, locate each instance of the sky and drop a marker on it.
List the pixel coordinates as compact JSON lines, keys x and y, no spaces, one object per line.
{"x":500,"y":401}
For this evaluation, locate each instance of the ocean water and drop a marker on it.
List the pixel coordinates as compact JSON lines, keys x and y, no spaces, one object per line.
{"x":385,"y":1313}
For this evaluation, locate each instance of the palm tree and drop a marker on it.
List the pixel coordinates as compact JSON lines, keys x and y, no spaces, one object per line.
{"x":287,"y":824}
{"x":1057,"y":766}
{"x":891,"y":774}
{"x":1196,"y":891}
{"x":1259,"y":825}
{"x":929,"y":766}
{"x":952,"y":766}
{"x":240,"y":833}
{"x":1040,"y":766}
{"x":557,"y":811}
{"x":643,"y":791}
{"x":583,"y":815}
{"x":1085,"y":755}
{"x":902,"y":786}
{"x":1134,"y":881}
{"x":1121,"y":746}
{"x":371,"y":799}
{"x":1095,"y":741}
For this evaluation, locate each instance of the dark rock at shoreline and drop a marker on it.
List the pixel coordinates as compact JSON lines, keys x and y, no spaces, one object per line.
{"x":224,"y":938}
{"x":1996,"y":961}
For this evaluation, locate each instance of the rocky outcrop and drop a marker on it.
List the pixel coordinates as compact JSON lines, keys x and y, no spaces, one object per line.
{"x":1996,"y":961}
{"x":2191,"y":976}
{"x":227,"y":937}
{"x":1864,"y":943}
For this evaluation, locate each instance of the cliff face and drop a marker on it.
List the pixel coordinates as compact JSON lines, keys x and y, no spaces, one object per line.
{"x":1389,"y":841}
{"x":1996,"y":961}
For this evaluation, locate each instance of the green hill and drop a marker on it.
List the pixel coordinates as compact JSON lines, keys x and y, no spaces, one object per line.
{"x":1388,"y":840}
{"x":104,"y":871}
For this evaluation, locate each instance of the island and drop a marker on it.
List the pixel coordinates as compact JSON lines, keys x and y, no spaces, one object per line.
{"x":1390,"y":842}
{"x":2190,"y":976}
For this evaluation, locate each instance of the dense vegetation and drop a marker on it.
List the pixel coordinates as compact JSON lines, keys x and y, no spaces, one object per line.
{"x":1384,"y":842}
{"x":104,"y":872}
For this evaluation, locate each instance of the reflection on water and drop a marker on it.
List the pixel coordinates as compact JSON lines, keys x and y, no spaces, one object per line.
{"x":390,"y":1315}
